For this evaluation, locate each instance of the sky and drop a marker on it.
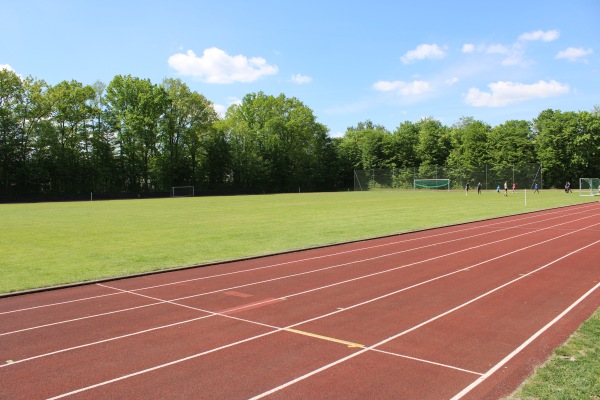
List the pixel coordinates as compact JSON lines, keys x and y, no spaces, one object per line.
{"x":348,"y":61}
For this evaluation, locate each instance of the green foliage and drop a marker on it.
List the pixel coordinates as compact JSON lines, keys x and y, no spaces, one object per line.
{"x":276,"y":144}
{"x":132,"y":135}
{"x":469,"y":144}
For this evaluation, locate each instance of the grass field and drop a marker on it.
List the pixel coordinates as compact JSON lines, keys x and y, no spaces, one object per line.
{"x":46,"y":244}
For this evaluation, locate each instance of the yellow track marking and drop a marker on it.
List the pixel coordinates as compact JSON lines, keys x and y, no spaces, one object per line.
{"x":330,"y":339}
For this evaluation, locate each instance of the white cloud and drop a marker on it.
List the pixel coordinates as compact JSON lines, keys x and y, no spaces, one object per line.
{"x":468,"y":48}
{"x":6,"y":67}
{"x":514,"y":53}
{"x":403,"y":88}
{"x":506,"y":93}
{"x":216,"y":66}
{"x":496,"y":49}
{"x":515,"y":56}
{"x":451,"y":81}
{"x":547,"y":36}
{"x":301,"y":79}
{"x":424,"y":51}
{"x":574,"y":54}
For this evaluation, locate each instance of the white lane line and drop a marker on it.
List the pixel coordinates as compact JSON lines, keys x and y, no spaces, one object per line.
{"x":560,"y":212}
{"x":427,"y":361}
{"x":58,"y":303}
{"x":339,"y":361}
{"x":105,"y":340}
{"x":81,"y":318}
{"x":210,"y":314}
{"x":160,"y":366}
{"x":526,"y":343}
{"x":323,"y":269}
{"x":362,"y":351}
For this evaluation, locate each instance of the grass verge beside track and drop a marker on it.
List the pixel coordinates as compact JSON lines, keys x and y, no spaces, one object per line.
{"x":573,"y":372}
{"x":47,"y":244}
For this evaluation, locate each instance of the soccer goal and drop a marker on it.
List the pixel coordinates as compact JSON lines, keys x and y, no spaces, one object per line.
{"x":182,"y":191}
{"x":589,"y":186}
{"x":436,"y":184}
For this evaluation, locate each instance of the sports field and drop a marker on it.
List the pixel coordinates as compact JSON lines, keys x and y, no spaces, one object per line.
{"x":464,"y":311}
{"x":47,"y":244}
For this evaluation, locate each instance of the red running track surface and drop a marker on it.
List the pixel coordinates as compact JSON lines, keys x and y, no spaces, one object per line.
{"x":461,"y":312}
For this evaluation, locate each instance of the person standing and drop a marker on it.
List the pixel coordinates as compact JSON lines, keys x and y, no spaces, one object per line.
{"x":506,"y":188}
{"x":536,"y":188}
{"x":514,"y":187}
{"x":467,"y":189}
{"x":479,"y":188}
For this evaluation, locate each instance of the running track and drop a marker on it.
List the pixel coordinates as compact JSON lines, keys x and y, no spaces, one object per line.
{"x":461,"y":312}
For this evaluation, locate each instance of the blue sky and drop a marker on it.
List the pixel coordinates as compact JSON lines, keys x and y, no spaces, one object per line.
{"x":348,"y":61}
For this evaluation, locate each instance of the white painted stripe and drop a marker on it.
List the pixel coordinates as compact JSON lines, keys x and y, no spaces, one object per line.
{"x":59,"y":303}
{"x":81,"y":318}
{"x":427,"y":361}
{"x":526,"y":343}
{"x":160,"y":366}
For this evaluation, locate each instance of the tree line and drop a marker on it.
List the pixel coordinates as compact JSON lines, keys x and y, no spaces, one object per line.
{"x":136,"y":136}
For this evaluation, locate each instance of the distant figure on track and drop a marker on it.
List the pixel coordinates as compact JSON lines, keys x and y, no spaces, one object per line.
{"x":498,"y":189}
{"x":506,"y":188}
{"x":536,"y":188}
{"x":479,"y":188}
{"x":514,"y":187}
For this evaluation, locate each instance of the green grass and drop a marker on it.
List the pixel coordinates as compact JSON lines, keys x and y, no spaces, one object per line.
{"x":46,"y":244}
{"x":573,"y":372}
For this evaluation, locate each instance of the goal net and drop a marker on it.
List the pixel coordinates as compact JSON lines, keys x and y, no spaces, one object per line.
{"x":589,"y":186}
{"x":436,"y":184}
{"x":182,"y":191}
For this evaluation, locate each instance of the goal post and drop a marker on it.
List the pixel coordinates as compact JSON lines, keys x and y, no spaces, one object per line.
{"x":182,"y":191}
{"x":435,"y":184}
{"x":589,"y":186}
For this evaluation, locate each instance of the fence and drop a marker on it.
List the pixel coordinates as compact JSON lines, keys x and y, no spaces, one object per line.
{"x":490,"y":176}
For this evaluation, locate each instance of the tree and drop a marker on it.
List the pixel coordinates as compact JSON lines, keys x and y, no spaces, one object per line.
{"x":103,"y":166}
{"x":11,"y":96}
{"x":277,"y":140}
{"x":434,"y":142}
{"x":469,"y":140}
{"x":406,"y":142}
{"x":555,"y":138}
{"x":70,"y":137}
{"x":186,"y":129}
{"x":134,"y":109}
{"x":365,"y":146}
